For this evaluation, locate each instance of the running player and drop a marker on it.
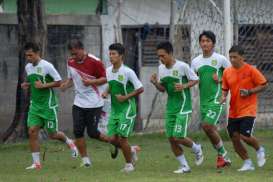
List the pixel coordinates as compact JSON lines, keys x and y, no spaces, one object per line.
{"x":210,"y":66}
{"x":244,"y":82}
{"x":123,"y":87}
{"x":42,"y":77}
{"x":176,"y":78}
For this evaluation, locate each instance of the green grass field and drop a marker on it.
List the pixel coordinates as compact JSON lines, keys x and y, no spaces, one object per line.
{"x":156,"y":163}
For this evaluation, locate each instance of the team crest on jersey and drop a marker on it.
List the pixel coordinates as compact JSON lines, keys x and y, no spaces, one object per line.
{"x":214,"y":62}
{"x":120,"y":78}
{"x":39,"y":70}
{"x":175,"y":72}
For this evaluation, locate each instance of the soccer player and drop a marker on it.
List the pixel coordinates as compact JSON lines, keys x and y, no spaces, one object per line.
{"x":123,"y":87}
{"x":176,"y":78}
{"x":87,"y":73}
{"x":42,"y":77}
{"x":244,"y":82}
{"x":210,"y":66}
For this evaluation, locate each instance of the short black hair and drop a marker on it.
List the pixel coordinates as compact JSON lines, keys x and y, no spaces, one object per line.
{"x":75,"y":44}
{"x":35,"y":47}
{"x":117,"y":47}
{"x":209,"y":34}
{"x":238,"y":49}
{"x":166,"y":45}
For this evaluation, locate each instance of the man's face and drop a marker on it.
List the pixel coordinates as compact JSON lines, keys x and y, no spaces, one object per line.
{"x":206,"y":44}
{"x":31,"y":56}
{"x":235,"y":59}
{"x":114,"y":56}
{"x":77,"y":54}
{"x":164,"y":57}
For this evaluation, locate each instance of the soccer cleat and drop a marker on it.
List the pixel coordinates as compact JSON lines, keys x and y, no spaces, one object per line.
{"x":134,"y":150}
{"x":222,"y":161}
{"x":37,"y":166}
{"x":85,"y":164}
{"x":113,"y":151}
{"x":183,"y":169}
{"x":261,"y":157}
{"x":128,"y":168}
{"x":73,"y":148}
{"x":199,"y":156}
{"x":247,"y":166}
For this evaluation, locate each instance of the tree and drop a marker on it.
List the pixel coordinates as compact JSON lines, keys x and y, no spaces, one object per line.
{"x":31,"y":28}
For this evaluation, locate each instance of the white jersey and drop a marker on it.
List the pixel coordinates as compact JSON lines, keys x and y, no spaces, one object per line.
{"x":91,"y":68}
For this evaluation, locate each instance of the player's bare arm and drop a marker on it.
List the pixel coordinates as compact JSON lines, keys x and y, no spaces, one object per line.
{"x":97,"y":82}
{"x":66,"y":84}
{"x":40,"y":85}
{"x":122,"y":98}
{"x":179,"y":86}
{"x":246,"y":92}
{"x":157,"y":85}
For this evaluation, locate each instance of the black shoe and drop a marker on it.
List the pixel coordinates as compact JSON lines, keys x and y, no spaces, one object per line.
{"x":114,"y":151}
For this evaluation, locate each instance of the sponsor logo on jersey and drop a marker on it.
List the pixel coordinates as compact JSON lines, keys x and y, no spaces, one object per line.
{"x":175,"y":72}
{"x":120,"y":78}
{"x":214,"y":62}
{"x":39,"y":70}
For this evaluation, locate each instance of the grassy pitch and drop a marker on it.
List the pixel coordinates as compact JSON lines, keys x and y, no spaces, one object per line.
{"x":156,"y":163}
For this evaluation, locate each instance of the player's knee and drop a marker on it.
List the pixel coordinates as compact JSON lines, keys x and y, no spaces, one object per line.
{"x":207,"y":128}
{"x":32,"y":132}
{"x":78,"y":133}
{"x":52,"y":136}
{"x":93,"y":133}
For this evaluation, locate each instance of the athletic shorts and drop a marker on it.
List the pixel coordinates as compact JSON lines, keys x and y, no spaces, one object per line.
{"x":210,"y":114}
{"x":119,"y":124}
{"x":50,"y":125}
{"x":86,"y":118}
{"x":243,"y":125}
{"x":176,"y":125}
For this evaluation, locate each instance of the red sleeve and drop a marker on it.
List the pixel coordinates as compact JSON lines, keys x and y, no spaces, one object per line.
{"x":225,"y":85}
{"x":257,"y":77}
{"x":100,"y":70}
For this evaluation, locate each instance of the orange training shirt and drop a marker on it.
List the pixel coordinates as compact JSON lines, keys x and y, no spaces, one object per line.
{"x":246,"y":77}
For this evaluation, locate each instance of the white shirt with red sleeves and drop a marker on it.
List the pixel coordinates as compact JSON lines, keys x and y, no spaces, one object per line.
{"x":92,"y":68}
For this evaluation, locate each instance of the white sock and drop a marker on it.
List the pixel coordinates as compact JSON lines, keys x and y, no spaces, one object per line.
{"x":86,"y":160}
{"x":261,"y":149}
{"x":182,"y":160}
{"x":129,"y":165}
{"x":248,"y":161}
{"x":195,"y":147}
{"x":36,"y":157}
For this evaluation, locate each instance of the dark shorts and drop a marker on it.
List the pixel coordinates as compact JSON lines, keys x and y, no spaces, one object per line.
{"x":243,"y":125}
{"x":86,"y":118}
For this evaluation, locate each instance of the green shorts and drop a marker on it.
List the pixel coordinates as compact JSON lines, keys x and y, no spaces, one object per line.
{"x":176,"y":125}
{"x":120,"y":125}
{"x":50,"y":125}
{"x":210,"y":114}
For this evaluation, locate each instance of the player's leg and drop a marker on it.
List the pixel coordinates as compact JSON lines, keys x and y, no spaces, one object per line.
{"x":210,"y":117}
{"x":34,"y":123}
{"x":78,"y":130}
{"x":246,"y":129}
{"x":124,"y":129}
{"x":234,"y":133}
{"x":170,"y":128}
{"x":180,"y":134}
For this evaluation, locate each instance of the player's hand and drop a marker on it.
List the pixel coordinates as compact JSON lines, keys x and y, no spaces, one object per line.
{"x":244,"y":92}
{"x":215,"y":78}
{"x":223,"y":100}
{"x":63,"y":87}
{"x":153,"y":78}
{"x":104,"y":95}
{"x":87,"y":82}
{"x":25,"y":85}
{"x":178,"y":87}
{"x":121,"y":98}
{"x":38,"y":84}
